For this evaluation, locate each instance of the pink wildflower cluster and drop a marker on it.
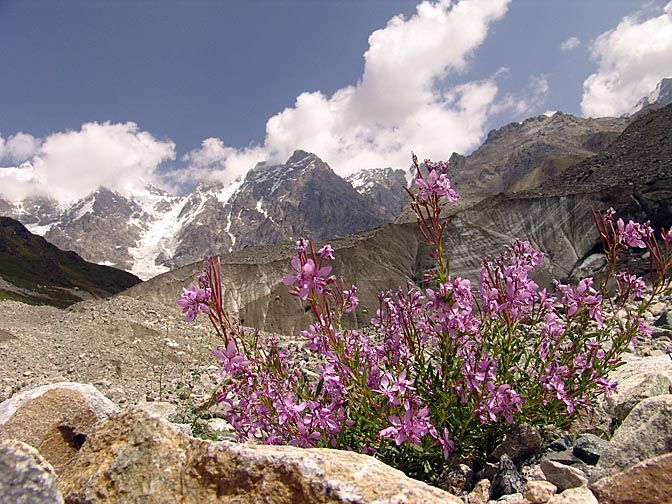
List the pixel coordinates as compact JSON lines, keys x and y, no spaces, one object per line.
{"x":442,"y":368}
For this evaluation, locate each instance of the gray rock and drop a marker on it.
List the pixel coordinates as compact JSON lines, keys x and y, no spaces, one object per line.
{"x":520,"y":442}
{"x":160,"y":409}
{"x":563,"y":476}
{"x":664,"y":321}
{"x":562,"y":443}
{"x":589,"y":448}
{"x":25,"y":477}
{"x":508,"y":480}
{"x":638,"y":379}
{"x":644,"y":434}
{"x":566,"y":457}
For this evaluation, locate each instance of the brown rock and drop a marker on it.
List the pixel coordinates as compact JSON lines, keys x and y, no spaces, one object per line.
{"x":133,"y":457}
{"x":55,"y":418}
{"x":480,"y":494}
{"x":539,"y":492}
{"x":579,"y":495}
{"x":648,"y":481}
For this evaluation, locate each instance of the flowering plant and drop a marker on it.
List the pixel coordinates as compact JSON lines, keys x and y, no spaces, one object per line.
{"x":444,"y":369}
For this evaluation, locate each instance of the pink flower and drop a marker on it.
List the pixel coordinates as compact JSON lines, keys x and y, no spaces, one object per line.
{"x":436,"y":184}
{"x":306,"y":278}
{"x":194,"y":300}
{"x":326,"y":252}
{"x":631,"y":234}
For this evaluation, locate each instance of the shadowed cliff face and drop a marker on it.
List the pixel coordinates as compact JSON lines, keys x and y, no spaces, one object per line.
{"x":633,"y":175}
{"x":34,"y":271}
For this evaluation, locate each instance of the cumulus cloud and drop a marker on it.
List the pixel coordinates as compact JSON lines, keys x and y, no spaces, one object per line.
{"x":632,"y":58}
{"x":570,"y":44}
{"x":18,"y":147}
{"x":399,"y":104}
{"x":214,"y":161}
{"x":70,"y":165}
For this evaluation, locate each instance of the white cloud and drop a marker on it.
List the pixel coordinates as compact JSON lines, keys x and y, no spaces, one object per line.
{"x":70,"y":165}
{"x":399,"y":104}
{"x":19,"y":147}
{"x":570,"y":44}
{"x":214,"y":161}
{"x":632,"y":58}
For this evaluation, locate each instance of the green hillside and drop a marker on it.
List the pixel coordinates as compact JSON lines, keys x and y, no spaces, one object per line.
{"x":34,"y":271}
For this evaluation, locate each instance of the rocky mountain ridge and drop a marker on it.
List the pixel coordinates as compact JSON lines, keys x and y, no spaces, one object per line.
{"x":33,"y":270}
{"x":152,"y":231}
{"x":522,"y":155}
{"x":556,"y":219}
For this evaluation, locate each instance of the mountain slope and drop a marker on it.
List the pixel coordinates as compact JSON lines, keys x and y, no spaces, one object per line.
{"x":35,"y":271}
{"x":633,"y":174}
{"x":522,"y":155}
{"x":152,"y":231}
{"x":302,"y":197}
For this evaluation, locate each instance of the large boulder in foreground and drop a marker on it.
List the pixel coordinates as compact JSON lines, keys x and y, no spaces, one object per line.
{"x":645,"y":433}
{"x":54,"y":418}
{"x":648,"y":481}
{"x":133,"y":457}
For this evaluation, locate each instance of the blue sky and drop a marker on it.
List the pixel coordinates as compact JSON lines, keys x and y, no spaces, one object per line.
{"x":114,"y":92}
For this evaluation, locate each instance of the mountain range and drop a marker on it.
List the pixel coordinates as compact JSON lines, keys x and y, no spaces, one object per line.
{"x":633,"y":174}
{"x":534,"y":180}
{"x":152,"y":231}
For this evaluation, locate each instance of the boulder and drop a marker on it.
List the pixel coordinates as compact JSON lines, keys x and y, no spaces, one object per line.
{"x":645,"y":433}
{"x":133,"y":457}
{"x":648,"y":481}
{"x":639,"y":379}
{"x":25,"y":477}
{"x":54,"y":418}
{"x":563,"y":476}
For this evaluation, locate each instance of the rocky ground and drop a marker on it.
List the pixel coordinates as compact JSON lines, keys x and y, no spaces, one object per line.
{"x":139,"y":353}
{"x":135,"y":351}
{"x":130,"y":350}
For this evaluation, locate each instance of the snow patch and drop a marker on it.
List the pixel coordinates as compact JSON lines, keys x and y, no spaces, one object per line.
{"x":225,"y":194}
{"x":260,"y":208}
{"x":37,"y":229}
{"x":86,"y":208}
